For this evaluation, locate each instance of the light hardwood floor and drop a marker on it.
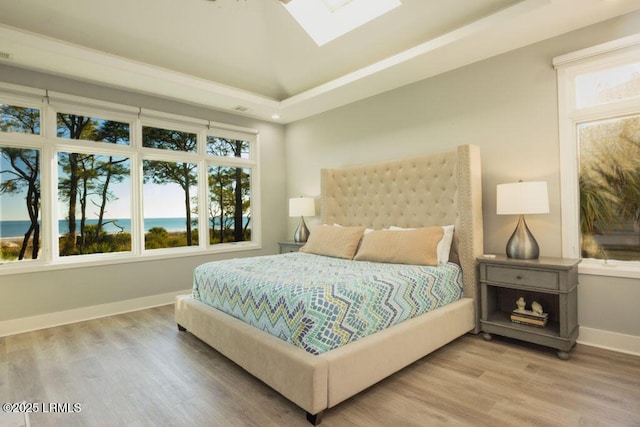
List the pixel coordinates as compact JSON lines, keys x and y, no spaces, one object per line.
{"x":136,"y":369}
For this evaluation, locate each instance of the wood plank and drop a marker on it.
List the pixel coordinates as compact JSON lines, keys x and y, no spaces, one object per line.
{"x":137,"y":369}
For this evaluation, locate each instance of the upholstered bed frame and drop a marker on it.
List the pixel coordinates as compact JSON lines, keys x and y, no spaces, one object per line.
{"x":438,"y":189}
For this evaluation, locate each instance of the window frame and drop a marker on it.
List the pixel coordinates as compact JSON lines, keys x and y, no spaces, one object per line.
{"x":568,"y":67}
{"x":49,"y":144}
{"x":250,"y":163}
{"x":30,"y":98}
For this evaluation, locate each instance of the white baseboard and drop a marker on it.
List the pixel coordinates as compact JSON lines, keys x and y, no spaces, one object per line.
{"x":588,"y":336}
{"x":27,"y":324}
{"x":610,"y":340}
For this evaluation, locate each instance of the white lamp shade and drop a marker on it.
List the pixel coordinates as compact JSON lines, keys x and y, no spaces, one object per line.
{"x":302,"y":206}
{"x":522,"y":198}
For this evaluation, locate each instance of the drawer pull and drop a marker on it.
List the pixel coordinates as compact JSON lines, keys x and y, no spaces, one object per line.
{"x":519,"y":277}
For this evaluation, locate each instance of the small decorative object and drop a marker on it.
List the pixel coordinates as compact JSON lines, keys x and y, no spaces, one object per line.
{"x":536,"y":308}
{"x":302,"y":206}
{"x":518,"y":199}
{"x":529,"y":321}
{"x":533,"y":317}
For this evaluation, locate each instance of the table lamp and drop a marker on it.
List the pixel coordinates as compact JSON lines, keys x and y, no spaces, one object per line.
{"x":302,"y":206}
{"x":522,"y":198}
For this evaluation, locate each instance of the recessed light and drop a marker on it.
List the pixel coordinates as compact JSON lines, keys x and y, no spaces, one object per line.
{"x":275,"y":116}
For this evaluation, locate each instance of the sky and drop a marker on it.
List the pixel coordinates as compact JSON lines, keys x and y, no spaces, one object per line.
{"x":608,"y":85}
{"x":160,"y":200}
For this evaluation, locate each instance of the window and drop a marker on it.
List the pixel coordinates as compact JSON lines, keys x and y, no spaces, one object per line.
{"x":14,"y":118}
{"x":229,"y":204}
{"x":609,"y":178}
{"x":85,"y":181}
{"x":74,"y":126}
{"x":229,"y":199}
{"x":325,"y":20}
{"x":166,"y":139}
{"x":88,"y":186}
{"x":19,"y":203}
{"x":170,"y":203}
{"x":599,"y":106}
{"x":20,"y":193}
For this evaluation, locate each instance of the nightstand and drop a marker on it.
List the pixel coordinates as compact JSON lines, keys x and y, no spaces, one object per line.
{"x":290,"y":246}
{"x":552,"y":282}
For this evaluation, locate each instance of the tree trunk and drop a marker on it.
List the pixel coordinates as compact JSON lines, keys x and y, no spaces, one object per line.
{"x":187,"y":198}
{"x":221,"y":202}
{"x":34,"y":209}
{"x":70,"y":245}
{"x":25,"y":242}
{"x":83,"y":213}
{"x":238,"y":232}
{"x":237,"y":227}
{"x":103,"y":203}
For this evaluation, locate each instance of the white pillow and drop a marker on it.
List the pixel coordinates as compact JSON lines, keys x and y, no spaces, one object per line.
{"x":444,"y":245}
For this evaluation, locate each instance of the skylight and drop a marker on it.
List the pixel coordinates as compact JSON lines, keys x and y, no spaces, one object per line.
{"x":325,"y":20}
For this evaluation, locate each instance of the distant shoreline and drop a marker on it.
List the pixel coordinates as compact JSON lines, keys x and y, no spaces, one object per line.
{"x":16,"y":241}
{"x":11,"y":242}
{"x":15,"y":229}
{"x":20,"y":238}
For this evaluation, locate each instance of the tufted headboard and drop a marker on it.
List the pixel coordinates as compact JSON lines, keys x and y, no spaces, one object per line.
{"x":438,"y":189}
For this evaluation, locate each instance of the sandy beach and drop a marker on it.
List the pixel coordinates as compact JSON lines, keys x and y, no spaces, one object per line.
{"x":10,"y":242}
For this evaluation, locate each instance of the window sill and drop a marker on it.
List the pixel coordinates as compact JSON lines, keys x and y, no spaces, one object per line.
{"x":630,"y":270}
{"x":122,"y":258}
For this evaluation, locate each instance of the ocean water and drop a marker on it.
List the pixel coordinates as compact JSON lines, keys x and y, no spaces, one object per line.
{"x":18,"y":228}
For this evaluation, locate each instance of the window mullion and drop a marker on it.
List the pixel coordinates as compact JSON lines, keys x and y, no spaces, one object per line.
{"x":49,"y":185}
{"x":49,"y":207}
{"x":203,"y":204}
{"x":137,"y":208}
{"x":203,"y":185}
{"x":569,"y":189}
{"x":231,"y":161}
{"x":606,"y":111}
{"x":137,"y":212}
{"x":256,"y":204}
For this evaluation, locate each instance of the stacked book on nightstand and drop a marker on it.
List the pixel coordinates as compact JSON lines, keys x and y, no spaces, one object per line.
{"x":530,"y":318}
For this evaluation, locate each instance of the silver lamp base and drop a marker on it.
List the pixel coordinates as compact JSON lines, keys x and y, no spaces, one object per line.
{"x":522,"y":244}
{"x":302,"y":232}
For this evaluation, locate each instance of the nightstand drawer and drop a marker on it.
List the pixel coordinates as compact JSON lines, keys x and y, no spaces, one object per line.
{"x":290,"y":246}
{"x":519,"y":276}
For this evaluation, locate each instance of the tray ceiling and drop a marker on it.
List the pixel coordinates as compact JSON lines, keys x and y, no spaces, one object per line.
{"x":228,"y":53}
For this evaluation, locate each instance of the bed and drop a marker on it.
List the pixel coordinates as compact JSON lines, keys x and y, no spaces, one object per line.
{"x":434,"y":190}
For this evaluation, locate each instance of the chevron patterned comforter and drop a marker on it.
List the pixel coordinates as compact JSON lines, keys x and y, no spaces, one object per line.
{"x":320,"y":303}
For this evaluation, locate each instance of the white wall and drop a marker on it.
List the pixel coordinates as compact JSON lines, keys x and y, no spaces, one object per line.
{"x":38,"y":294}
{"x":508,"y":106}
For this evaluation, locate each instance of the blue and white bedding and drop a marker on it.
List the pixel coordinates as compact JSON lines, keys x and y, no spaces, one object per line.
{"x":319,"y":303}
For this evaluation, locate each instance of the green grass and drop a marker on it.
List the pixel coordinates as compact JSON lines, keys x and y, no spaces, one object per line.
{"x":620,"y":252}
{"x":156,"y":238}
